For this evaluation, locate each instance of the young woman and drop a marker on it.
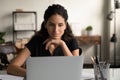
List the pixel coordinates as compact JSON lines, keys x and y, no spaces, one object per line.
{"x":55,"y":38}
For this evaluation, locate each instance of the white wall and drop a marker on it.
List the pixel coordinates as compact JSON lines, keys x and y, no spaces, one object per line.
{"x":81,"y":14}
{"x":117,"y":23}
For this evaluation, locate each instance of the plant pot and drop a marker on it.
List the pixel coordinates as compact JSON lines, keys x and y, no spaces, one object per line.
{"x":89,"y":33}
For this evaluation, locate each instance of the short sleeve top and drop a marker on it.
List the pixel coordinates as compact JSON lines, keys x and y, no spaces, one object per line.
{"x":37,"y":48}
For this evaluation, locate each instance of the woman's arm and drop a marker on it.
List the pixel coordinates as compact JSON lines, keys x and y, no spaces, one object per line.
{"x":67,"y":52}
{"x":15,"y":67}
{"x":65,"y":48}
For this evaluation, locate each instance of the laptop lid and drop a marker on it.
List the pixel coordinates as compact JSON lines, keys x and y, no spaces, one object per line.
{"x":54,"y":68}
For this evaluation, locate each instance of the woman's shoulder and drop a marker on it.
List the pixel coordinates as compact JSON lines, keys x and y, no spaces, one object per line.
{"x":36,"y":39}
{"x":72,"y":44}
{"x":72,"y":40}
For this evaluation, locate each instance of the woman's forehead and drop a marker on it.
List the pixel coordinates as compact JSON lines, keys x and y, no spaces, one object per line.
{"x":56,"y":18}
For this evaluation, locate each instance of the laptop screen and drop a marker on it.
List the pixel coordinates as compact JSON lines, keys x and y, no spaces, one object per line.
{"x":54,"y":68}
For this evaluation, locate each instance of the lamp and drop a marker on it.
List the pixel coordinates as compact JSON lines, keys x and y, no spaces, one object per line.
{"x":110,"y":16}
{"x":117,"y":4}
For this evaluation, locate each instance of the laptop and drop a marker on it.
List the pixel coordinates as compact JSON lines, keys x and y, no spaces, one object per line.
{"x":54,"y":68}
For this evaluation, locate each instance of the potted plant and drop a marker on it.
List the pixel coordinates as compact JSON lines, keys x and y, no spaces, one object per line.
{"x":1,"y":37}
{"x":89,"y":30}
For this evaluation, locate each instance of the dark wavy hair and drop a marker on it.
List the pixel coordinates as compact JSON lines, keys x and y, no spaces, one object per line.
{"x":52,"y":10}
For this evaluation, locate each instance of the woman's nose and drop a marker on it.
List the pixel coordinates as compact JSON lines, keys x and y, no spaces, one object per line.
{"x":56,"y":28}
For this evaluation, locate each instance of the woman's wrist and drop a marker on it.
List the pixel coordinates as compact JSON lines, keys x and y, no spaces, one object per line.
{"x":62,"y":43}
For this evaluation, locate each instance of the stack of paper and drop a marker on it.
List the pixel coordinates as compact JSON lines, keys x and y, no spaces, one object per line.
{"x":87,"y":76}
{"x":10,"y":77}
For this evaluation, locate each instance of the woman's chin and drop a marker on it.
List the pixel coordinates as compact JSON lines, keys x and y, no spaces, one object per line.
{"x":56,"y":37}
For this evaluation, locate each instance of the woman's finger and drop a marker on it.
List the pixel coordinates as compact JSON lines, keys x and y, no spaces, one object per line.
{"x":48,"y":44}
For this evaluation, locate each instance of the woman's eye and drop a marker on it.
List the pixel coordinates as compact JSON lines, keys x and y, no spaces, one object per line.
{"x":51,"y":25}
{"x":60,"y":25}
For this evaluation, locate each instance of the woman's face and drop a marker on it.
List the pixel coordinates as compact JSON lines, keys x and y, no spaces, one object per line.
{"x":56,"y":26}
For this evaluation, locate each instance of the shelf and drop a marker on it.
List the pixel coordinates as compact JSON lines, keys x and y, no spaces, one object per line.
{"x":94,"y":40}
{"x":24,"y":27}
{"x":24,"y":22}
{"x":14,"y":12}
{"x":88,"y":40}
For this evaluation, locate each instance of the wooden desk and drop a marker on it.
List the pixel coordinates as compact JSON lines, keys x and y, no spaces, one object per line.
{"x":90,"y":41}
{"x":87,"y":74}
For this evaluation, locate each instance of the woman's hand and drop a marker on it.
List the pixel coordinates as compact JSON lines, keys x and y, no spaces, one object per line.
{"x":53,"y":42}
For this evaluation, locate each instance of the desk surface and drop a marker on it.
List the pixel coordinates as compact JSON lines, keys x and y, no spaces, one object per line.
{"x":88,"y":74}
{"x":88,"y":40}
{"x":114,"y":73}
